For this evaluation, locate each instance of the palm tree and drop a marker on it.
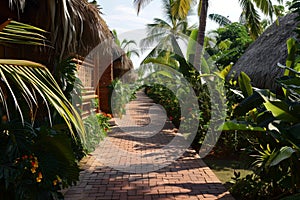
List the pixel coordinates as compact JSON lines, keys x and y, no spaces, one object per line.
{"x":126,"y":45}
{"x":26,"y":86}
{"x":163,"y":33}
{"x":251,"y":16}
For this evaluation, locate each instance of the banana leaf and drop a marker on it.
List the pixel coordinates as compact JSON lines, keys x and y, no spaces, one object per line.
{"x":284,"y":153}
{"x":245,"y":84}
{"x":233,"y":126}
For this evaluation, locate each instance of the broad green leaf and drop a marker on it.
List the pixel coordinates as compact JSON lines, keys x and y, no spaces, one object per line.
{"x":264,"y":118}
{"x":160,"y":61}
{"x":288,"y":68}
{"x":225,"y":44}
{"x":204,"y":66}
{"x":291,"y":47}
{"x":290,"y":82}
{"x":284,"y":153}
{"x":231,"y":126}
{"x":280,"y":110}
{"x":297,"y":66}
{"x":191,"y":45}
{"x":245,"y":84}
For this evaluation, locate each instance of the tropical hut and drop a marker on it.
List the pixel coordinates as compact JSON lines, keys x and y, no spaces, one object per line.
{"x":260,"y":60}
{"x":75,"y":28}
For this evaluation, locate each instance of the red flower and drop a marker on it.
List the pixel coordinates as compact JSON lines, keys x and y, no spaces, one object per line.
{"x":171,"y":118}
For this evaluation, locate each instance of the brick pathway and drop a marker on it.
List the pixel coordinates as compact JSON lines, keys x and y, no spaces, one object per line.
{"x":131,"y":165}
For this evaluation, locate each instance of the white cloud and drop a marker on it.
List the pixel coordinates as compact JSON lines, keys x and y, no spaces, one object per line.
{"x":125,"y":9}
{"x":124,"y":18}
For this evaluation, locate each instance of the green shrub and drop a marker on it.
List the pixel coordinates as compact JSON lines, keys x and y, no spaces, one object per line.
{"x":96,"y":126}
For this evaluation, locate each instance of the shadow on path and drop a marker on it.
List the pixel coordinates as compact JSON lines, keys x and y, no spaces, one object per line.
{"x":186,"y":178}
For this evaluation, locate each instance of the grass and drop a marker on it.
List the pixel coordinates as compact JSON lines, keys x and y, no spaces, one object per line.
{"x":225,"y":168}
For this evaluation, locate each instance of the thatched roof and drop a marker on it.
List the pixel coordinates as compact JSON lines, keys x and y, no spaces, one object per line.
{"x":260,"y":60}
{"x":121,"y":63}
{"x":76,"y":26}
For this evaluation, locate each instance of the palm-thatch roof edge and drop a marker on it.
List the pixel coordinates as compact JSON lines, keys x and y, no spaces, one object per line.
{"x":260,"y":60}
{"x":75,"y":26}
{"x":122,"y":63}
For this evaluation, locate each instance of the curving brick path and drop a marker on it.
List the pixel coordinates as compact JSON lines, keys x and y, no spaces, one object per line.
{"x":128,"y":165}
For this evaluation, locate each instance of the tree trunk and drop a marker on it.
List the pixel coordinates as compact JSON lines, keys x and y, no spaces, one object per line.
{"x":201,"y":33}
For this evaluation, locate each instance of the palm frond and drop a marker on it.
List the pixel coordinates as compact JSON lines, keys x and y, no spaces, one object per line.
{"x":182,"y":25}
{"x":252,"y":18}
{"x":132,"y":52}
{"x":139,"y":4}
{"x":125,"y":43}
{"x":163,"y":45}
{"x":181,"y":8}
{"x":19,"y":33}
{"x":159,"y":23}
{"x":116,"y":38}
{"x":27,"y":78}
{"x":220,"y":19}
{"x":127,"y":46}
{"x":167,"y":10}
{"x":151,"y":39}
{"x":155,"y":32}
{"x":265,"y":6}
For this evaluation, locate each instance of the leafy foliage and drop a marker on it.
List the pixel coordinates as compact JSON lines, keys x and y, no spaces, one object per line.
{"x":41,"y":133}
{"x":161,"y":33}
{"x":126,"y":45}
{"x":231,"y":42}
{"x":276,"y":163}
{"x":18,"y":33}
{"x":121,"y":94}
{"x":96,"y":126}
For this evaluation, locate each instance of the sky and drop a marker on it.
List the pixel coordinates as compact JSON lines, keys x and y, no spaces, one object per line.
{"x":122,"y":16}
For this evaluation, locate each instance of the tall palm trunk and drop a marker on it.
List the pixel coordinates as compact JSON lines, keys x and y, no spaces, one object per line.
{"x":203,"y":6}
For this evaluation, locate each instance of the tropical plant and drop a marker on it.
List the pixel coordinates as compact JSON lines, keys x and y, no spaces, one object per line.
{"x":231,"y":42}
{"x":121,"y":94}
{"x":41,"y":132}
{"x":277,"y":152}
{"x":162,"y":32}
{"x":96,"y":128}
{"x":126,"y":45}
{"x":250,"y":14}
{"x":31,"y":78}
{"x":276,"y":173}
